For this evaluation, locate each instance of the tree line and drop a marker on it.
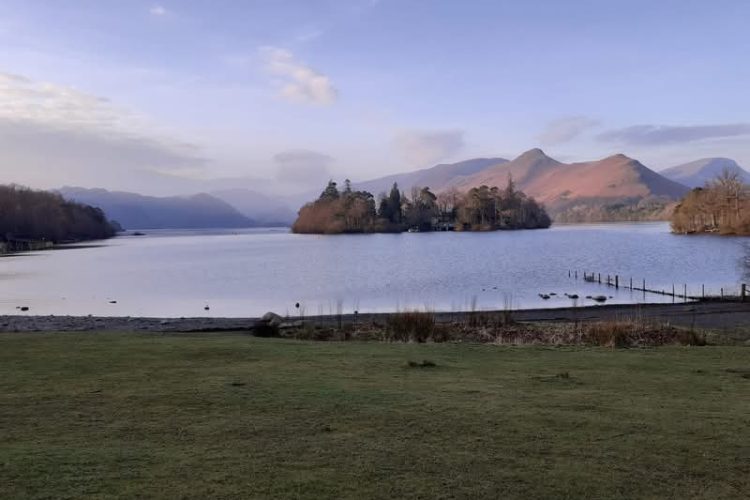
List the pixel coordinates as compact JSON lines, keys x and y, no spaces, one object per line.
{"x":479,"y":209}
{"x":721,"y":206}
{"x":26,"y":214}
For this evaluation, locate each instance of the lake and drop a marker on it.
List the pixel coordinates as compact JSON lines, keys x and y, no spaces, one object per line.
{"x":246,"y":273}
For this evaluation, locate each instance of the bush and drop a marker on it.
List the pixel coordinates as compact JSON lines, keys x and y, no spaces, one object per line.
{"x":637,"y":333}
{"x":411,"y":326}
{"x":610,"y":333}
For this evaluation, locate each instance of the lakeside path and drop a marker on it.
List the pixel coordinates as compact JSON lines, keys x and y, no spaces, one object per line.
{"x":723,"y":316}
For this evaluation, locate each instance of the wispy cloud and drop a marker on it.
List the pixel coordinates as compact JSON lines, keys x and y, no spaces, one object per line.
{"x":656,"y":135}
{"x":299,"y":82}
{"x":423,"y":148}
{"x":158,"y":10}
{"x":566,"y":129}
{"x":25,"y":100}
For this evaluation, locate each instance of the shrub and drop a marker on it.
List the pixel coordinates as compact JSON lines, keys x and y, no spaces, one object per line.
{"x":411,"y":326}
{"x":610,"y":333}
{"x":637,"y":333}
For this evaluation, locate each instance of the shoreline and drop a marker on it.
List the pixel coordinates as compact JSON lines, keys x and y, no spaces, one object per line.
{"x":722,"y":316}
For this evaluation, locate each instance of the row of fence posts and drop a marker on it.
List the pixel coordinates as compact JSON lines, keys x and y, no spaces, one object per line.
{"x":614,"y":281}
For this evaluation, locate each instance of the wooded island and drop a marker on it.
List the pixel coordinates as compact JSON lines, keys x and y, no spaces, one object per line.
{"x":480,"y":209}
{"x":721,"y":206}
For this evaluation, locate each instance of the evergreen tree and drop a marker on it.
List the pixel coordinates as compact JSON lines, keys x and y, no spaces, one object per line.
{"x":394,"y":205}
{"x":331,"y":192}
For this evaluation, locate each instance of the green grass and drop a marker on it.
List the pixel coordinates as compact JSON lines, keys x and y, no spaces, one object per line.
{"x":231,"y":416}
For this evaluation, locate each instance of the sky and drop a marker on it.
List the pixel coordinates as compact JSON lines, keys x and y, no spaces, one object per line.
{"x":172,"y":97}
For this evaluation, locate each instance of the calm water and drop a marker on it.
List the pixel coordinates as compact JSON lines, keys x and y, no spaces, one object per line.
{"x":249,"y":273}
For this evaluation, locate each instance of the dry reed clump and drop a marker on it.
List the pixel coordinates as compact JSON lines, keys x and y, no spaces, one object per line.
{"x":637,"y":333}
{"x":413,"y":326}
{"x":419,"y":327}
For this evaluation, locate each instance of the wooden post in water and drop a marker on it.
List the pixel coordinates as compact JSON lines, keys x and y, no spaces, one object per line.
{"x":722,"y":293}
{"x":743,"y":290}
{"x":617,"y":281}
{"x":600,"y":278}
{"x":703,"y":291}
{"x":672,"y":290}
{"x":684,"y":292}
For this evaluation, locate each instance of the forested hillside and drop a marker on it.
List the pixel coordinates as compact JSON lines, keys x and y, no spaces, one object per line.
{"x":27,"y":214}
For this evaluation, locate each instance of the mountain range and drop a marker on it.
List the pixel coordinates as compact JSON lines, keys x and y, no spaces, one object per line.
{"x":231,"y":208}
{"x":437,"y":178}
{"x":697,"y":173}
{"x":613,"y":188}
{"x":135,"y":211}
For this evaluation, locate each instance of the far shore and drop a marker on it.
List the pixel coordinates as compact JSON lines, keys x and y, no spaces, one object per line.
{"x":717,"y":316}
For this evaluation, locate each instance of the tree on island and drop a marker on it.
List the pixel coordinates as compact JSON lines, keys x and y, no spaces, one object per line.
{"x":480,"y":209}
{"x":338,"y":212}
{"x":421,"y":210}
{"x":489,"y":208}
{"x":389,"y":208}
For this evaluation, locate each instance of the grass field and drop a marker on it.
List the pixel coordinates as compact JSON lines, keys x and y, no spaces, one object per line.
{"x":231,"y":416}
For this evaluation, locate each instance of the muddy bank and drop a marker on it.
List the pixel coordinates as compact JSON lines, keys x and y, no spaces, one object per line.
{"x":711,"y":316}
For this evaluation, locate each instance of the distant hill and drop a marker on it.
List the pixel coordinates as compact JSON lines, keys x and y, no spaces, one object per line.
{"x":697,"y":173}
{"x":437,"y":178}
{"x":525,"y":169}
{"x":135,"y":211}
{"x":263,"y":209}
{"x":614,"y":188}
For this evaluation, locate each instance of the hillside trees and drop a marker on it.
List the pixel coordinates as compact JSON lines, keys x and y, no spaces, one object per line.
{"x":40,"y":215}
{"x":721,"y":206}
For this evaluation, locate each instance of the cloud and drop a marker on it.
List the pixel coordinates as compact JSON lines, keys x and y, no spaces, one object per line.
{"x":52,"y":133}
{"x":298,"y":82}
{"x":657,"y":135}
{"x":25,"y":100}
{"x":566,"y":129}
{"x":425,"y":148}
{"x":301,"y":166}
{"x":158,"y":10}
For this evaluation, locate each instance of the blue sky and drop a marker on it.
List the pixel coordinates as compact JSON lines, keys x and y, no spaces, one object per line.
{"x":163,"y":96}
